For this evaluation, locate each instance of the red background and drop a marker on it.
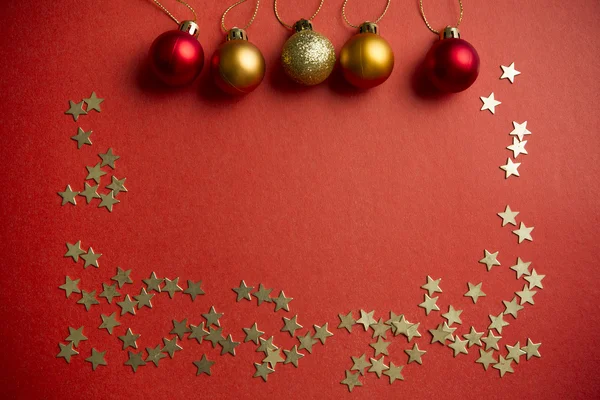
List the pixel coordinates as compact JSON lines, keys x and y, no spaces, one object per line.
{"x":345,"y":200}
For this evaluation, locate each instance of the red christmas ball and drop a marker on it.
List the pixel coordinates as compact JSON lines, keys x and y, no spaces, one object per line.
{"x":177,"y":57}
{"x":452,"y":65}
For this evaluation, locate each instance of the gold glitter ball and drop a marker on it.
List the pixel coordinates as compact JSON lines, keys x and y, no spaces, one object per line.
{"x":308,"y":57}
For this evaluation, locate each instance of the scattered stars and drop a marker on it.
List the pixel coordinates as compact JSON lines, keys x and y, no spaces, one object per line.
{"x":215,"y":336}
{"x":378,"y":366}
{"x":129,"y":339}
{"x":491,"y":341}
{"x":198,"y":332}
{"x":153,"y":283}
{"x":490,"y":259}
{"x":135,"y":360}
{"x":96,"y":359}
{"x":88,"y":299}
{"x":281,"y":302}
{"x":489,"y":103}
{"x":108,"y":201}
{"x":515,"y":352}
{"x":171,"y":347}
{"x":95,"y":173}
{"x":127,"y":305}
{"x":532,"y":349}
{"x":263,"y":294}
{"x":486,"y":358}
{"x":292,"y":356}
{"x":143,"y":299}
{"x":108,"y":158}
{"x":351,"y":381}
{"x":394,"y":372}
{"x":266,"y":344}
{"x":452,"y":316}
{"x":122,"y":277}
{"x":441,"y":333}
{"x":512,"y":307}
{"x":360,"y":363}
{"x":93,"y":102}
{"x":509,"y":72}
{"x":524,"y":233}
{"x":511,"y":168}
{"x":203,"y":365}
{"x":68,"y":196}
{"x":154,"y":355}
{"x":380,"y":347}
{"x":82,"y":138}
{"x":520,"y":130}
{"x":366,"y":319}
{"x":89,"y":192}
{"x":70,"y":286}
{"x":503,"y":366}
{"x":346,"y":321}
{"x":171,"y":286}
{"x":74,"y":251}
{"x":474,"y":292}
{"x":380,"y":328}
{"x":459,"y":346}
{"x":117,"y":185}
{"x":273,"y":357}
{"x":429,"y":304}
{"x":290,"y":325}
{"x":180,"y":328}
{"x":75,"y":110}
{"x":432,"y":286}
{"x":91,"y":258}
{"x":212,"y":317}
{"x":243,"y":291}
{"x":321,"y":333}
{"x":193,"y":289}
{"x":415,"y":354}
{"x":66,"y":352}
{"x":76,"y":336}
{"x":253,"y":334}
{"x":228,"y":346}
{"x":262,"y":371}
{"x":508,"y":216}
{"x":497,"y":323}
{"x":473,"y":337}
{"x":526,"y":295}
{"x":517,"y":147}
{"x":306,"y":342}
{"x":535,"y":280}
{"x":109,"y":322}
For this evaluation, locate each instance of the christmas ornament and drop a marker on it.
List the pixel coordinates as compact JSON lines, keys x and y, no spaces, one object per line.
{"x":452,"y":64}
{"x":307,"y":56}
{"x":238,"y":66}
{"x":176,"y":56}
{"x":366,"y":59}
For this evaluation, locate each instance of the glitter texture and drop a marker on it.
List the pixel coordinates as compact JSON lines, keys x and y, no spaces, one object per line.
{"x":308,"y":57}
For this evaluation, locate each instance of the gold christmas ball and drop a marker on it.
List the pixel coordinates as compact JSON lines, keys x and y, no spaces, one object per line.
{"x":366,"y":60}
{"x":238,"y":67}
{"x":308,"y":57}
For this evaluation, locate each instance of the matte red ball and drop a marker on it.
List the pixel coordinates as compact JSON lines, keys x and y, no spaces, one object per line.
{"x":177,"y":58}
{"x":452,"y":65}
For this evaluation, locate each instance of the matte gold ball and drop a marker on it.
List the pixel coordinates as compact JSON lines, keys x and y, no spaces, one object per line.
{"x":238,"y":67}
{"x":308,"y":57}
{"x":367,"y":60}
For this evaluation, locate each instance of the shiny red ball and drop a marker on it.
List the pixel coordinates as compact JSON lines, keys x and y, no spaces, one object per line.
{"x":452,"y":65}
{"x":176,"y":57}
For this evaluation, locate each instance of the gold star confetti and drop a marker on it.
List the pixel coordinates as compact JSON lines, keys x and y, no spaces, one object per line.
{"x":90,"y":192}
{"x":135,"y":360}
{"x":504,"y":366}
{"x":76,"y":336}
{"x":380,"y":328}
{"x":429,"y":304}
{"x":524,"y":233}
{"x":75,"y":110}
{"x":68,"y":196}
{"x":459,"y":346}
{"x":442,"y":333}
{"x":432,"y":286}
{"x":517,"y":147}
{"x":243,"y":291}
{"x":351,"y":381}
{"x":171,"y":346}
{"x":108,"y":201}
{"x":473,"y":337}
{"x":154,"y":355}
{"x":532,"y":349}
{"x":515,"y":352}
{"x":82,"y":138}
{"x":346,"y":321}
{"x":109,"y":322}
{"x":74,"y":251}
{"x":306,"y":342}
{"x":520,"y":130}
{"x":263,"y":294}
{"x":198,"y":332}
{"x":88,"y":299}
{"x":194,"y":289}
{"x":253,"y":334}
{"x":497,"y":323}
{"x":526,"y":295}
{"x":489,"y":103}
{"x":511,"y":168}
{"x":228,"y":346}
{"x":262,"y":371}
{"x":535,"y":280}
{"x":508,"y":216}
{"x":490,"y":259}
{"x":66,"y":352}
{"x":117,"y":185}
{"x":266,"y":344}
{"x":452,"y":316}
{"x":380,"y":347}
{"x":491,"y":341}
{"x":360,"y":363}
{"x":521,"y":268}
{"x":215,"y":336}
{"x":413,"y":332}
{"x":109,"y":292}
{"x":281,"y":302}
{"x":70,"y":286}
{"x":144,"y":299}
{"x":273,"y":357}
{"x":474,"y":292}
{"x":153,"y":283}
{"x":378,"y":366}
{"x":486,"y":358}
{"x":127,"y":305}
{"x":322,"y":333}
{"x":109,"y":158}
{"x":509,"y":72}
{"x":415,"y":354}
{"x":91,"y":258}
{"x":96,"y":359}
{"x":93,"y":102}
{"x":129,"y":339}
{"x":171,"y":287}
{"x":94,"y":173}
{"x":394,"y":372}
{"x":290,"y":325}
{"x":212,"y":317}
{"x":292,"y":356}
{"x":401,"y":326}
{"x":366,"y":319}
{"x":203,"y":365}
{"x":512,"y":307}
{"x":122,"y":277}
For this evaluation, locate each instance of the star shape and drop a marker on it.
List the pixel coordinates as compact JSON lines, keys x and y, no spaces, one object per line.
{"x":76,"y":336}
{"x":144,"y":299}
{"x":122,"y":277}
{"x":459,"y":346}
{"x":154,"y":355}
{"x":214,"y":336}
{"x":193,"y":289}
{"x":109,"y":322}
{"x":75,"y":110}
{"x":93,"y":102}
{"x":413,"y":332}
{"x":243,"y":291}
{"x":66,"y":352}
{"x":321,"y":332}
{"x":491,"y":341}
{"x":510,"y":168}
{"x":74,"y":251}
{"x":117,"y":185}
{"x":197,"y":332}
{"x":380,"y":328}
{"x":281,"y":302}
{"x":532,"y":349}
{"x":108,"y":201}
{"x":508,"y":216}
{"x":509,"y":72}
{"x":512,"y":307}
{"x":228,"y":346}
{"x":503,"y":366}
{"x":526,"y":295}
{"x":306,"y":342}
{"x":82,"y":138}
{"x":153,"y":283}
{"x":346,"y":321}
{"x":474,"y":292}
{"x":360,"y":363}
{"x":212,"y":317}
{"x":452,"y":316}
{"x":263,"y":294}
{"x":129,"y":339}
{"x":135,"y":360}
{"x":497,"y":323}
{"x":96,"y":359}
{"x":91,"y":258}
{"x":524,"y":233}
{"x":429,"y":304}
{"x":415,"y":354}
{"x":490,"y":259}
{"x":442,"y":333}
{"x":520,"y":130}
{"x":127,"y":305}
{"x":70,"y":286}
{"x":401,"y":326}
{"x":394,"y":372}
{"x":489,"y":103}
{"x":378,"y":366}
{"x":180,"y":328}
{"x":521,"y":268}
{"x":171,"y":346}
{"x":252,"y":334}
{"x":517,"y":147}
{"x":88,"y":299}
{"x":171,"y":286}
{"x":473,"y":337}
{"x":273,"y":357}
{"x":535,"y":280}
{"x":432,"y":286}
{"x":366,"y":319}
{"x":351,"y":380}
{"x":380,"y":347}
{"x":89,"y":192}
{"x":266,"y":344}
{"x":290,"y":325}
{"x":515,"y":352}
{"x":393,"y":318}
{"x":262,"y":371}
{"x":108,"y":158}
{"x":203,"y":365}
{"x":292,"y":356}
{"x":68,"y":196}
{"x":95,"y":173}
{"x":486,"y":358}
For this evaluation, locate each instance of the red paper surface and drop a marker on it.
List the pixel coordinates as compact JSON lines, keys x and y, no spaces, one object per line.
{"x":343,"y":199}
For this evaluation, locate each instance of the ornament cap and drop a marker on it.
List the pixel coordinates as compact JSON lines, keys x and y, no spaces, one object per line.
{"x":303,"y":25}
{"x":369,"y":27}
{"x":190,"y":27}
{"x":450,"y":32}
{"x":236,"y":34}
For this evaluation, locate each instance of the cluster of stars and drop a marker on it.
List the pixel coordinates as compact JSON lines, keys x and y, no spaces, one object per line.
{"x":509,"y":217}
